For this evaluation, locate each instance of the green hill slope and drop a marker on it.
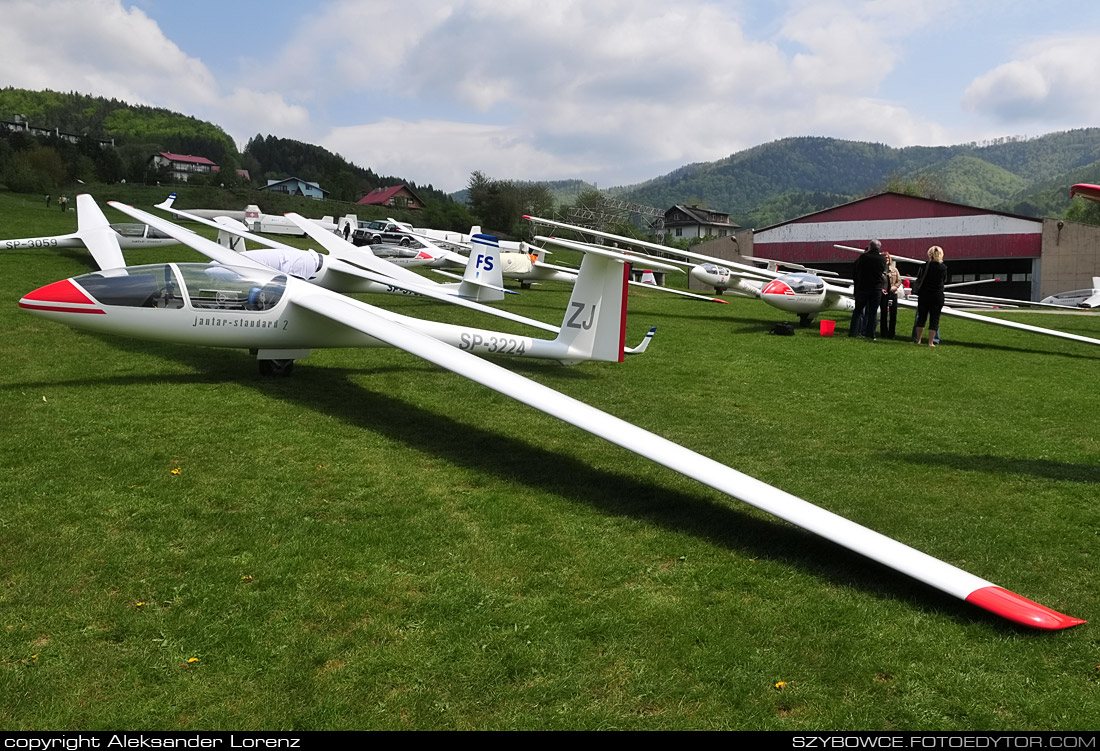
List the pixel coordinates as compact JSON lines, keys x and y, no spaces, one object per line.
{"x":768,"y":182}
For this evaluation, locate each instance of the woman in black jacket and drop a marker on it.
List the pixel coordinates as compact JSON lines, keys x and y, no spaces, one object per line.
{"x":930,"y":295}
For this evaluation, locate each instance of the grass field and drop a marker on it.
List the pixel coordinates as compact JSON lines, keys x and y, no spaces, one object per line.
{"x":375,"y":543}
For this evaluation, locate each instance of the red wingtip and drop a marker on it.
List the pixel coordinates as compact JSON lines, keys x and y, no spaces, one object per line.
{"x":724,"y":302}
{"x":1020,"y":609}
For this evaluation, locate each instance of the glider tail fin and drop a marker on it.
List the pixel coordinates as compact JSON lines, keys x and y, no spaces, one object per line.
{"x":166,"y":204}
{"x":483,"y":280}
{"x":594,"y":327}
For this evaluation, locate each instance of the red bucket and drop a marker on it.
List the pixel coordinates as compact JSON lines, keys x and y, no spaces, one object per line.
{"x":827,"y":327}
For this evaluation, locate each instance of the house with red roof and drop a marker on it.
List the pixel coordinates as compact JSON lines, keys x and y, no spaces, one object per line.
{"x":181,"y":166}
{"x":395,"y":196}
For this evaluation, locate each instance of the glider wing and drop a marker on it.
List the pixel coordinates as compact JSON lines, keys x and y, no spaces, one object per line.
{"x":860,"y":539}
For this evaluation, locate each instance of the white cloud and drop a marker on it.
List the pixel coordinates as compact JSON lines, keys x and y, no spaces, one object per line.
{"x":94,"y":47}
{"x":1052,"y":83}
{"x":615,"y":91}
{"x":445,"y":153}
{"x":100,"y":48}
{"x":240,"y":111}
{"x":587,"y":89}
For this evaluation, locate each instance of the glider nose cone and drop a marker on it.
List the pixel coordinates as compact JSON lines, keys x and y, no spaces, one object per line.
{"x":1020,"y":609}
{"x":59,"y":297}
{"x":777,"y":287}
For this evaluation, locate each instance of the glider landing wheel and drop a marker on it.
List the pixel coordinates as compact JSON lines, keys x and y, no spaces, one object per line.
{"x":276,"y":368}
{"x":805,"y":320}
{"x":525,"y":285}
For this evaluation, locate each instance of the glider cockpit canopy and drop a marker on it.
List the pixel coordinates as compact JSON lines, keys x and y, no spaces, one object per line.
{"x":135,"y":230}
{"x":167,"y":285}
{"x":804,"y":284}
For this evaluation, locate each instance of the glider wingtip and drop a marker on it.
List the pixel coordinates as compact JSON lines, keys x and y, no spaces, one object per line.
{"x":1021,"y":610}
{"x":724,"y":302}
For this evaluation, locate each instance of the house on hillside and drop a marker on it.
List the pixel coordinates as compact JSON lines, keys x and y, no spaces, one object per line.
{"x":181,"y":166}
{"x":692,"y":221}
{"x":19,"y":123}
{"x":294,"y":186}
{"x":396,"y":196}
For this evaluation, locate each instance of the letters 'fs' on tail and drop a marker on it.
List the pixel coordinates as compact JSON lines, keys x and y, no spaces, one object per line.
{"x":594,"y":326}
{"x":483,"y":279}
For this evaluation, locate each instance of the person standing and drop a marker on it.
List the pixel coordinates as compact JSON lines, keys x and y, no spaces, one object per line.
{"x":889,"y":315}
{"x":930,"y":295}
{"x":868,"y":281}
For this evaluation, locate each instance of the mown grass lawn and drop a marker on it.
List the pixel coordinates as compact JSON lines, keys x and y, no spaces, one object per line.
{"x":375,"y":543}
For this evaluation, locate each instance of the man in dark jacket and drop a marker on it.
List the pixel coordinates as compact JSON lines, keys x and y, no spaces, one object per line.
{"x":869,"y":277}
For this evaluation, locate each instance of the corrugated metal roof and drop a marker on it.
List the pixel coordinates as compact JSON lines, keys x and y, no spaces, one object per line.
{"x":187,"y":158}
{"x":893,"y":206}
{"x":382,"y":195}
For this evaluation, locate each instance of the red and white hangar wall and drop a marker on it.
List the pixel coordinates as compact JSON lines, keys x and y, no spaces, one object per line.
{"x":1031,"y":257}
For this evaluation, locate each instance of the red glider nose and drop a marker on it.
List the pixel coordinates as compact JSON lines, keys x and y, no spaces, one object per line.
{"x":776,"y":287}
{"x":60,"y":297}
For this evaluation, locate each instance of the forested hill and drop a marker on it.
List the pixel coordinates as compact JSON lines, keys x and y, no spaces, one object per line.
{"x":126,"y":123}
{"x":794,"y":176}
{"x":276,"y":158}
{"x":139,"y":131}
{"x":759,"y":186}
{"x":562,"y":191}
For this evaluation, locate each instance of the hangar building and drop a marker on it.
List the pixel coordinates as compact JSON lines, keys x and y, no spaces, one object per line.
{"x":1032,"y":257}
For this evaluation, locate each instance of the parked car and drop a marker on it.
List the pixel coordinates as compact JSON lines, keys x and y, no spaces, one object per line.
{"x":374,"y":233}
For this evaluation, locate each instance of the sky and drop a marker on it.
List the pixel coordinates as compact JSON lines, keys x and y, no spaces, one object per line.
{"x":613,"y":92}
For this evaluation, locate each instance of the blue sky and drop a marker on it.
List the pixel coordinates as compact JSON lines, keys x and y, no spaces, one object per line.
{"x":614,"y":91}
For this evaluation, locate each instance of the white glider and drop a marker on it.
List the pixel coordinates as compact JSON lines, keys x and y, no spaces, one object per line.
{"x":270,"y":312}
{"x":366,"y":274}
{"x":251,"y":217}
{"x":103,"y":240}
{"x":596,"y":299}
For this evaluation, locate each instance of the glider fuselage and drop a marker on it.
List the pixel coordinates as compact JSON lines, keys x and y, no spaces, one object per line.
{"x":129,"y":236}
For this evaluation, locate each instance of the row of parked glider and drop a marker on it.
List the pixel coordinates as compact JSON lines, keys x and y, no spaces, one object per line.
{"x":281,"y":302}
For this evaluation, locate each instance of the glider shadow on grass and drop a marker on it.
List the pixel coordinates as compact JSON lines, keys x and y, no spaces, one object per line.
{"x":1003,"y":465}
{"x":334,"y":392}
